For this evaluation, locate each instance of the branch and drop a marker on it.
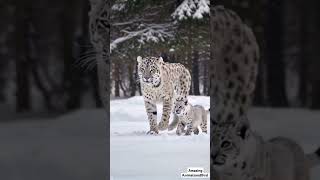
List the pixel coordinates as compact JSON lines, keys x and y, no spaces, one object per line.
{"x":150,"y":32}
{"x":192,"y":8}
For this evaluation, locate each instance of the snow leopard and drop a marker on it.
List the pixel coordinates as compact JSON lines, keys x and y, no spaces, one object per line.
{"x":99,"y":30}
{"x":237,"y":152}
{"x":190,"y":116}
{"x":244,"y":155}
{"x":160,"y":82}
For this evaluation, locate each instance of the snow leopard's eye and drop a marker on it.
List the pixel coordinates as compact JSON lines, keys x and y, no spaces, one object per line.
{"x":141,"y":68}
{"x":225,"y":144}
{"x":186,"y":103}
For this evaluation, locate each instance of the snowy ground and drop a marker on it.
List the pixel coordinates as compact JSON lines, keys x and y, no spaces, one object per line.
{"x":136,"y":156}
{"x":72,"y":146}
{"x":301,"y":125}
{"x":69,"y":147}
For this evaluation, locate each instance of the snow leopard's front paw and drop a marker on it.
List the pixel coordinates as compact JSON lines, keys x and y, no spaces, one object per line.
{"x":196,"y":131}
{"x":163,"y":125}
{"x":179,"y":131}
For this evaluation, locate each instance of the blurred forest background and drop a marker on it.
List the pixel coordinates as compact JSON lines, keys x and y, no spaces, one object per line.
{"x":42,"y":43}
{"x":48,"y":64}
{"x":177,"y":30}
{"x":288,"y":36}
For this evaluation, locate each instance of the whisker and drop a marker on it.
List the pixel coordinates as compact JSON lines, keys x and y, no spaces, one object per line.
{"x":91,"y":66}
{"x":85,"y":56}
{"x":86,"y":64}
{"x":89,"y":45}
{"x":90,"y":50}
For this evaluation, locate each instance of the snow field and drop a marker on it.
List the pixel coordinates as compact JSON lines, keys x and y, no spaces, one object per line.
{"x":135,"y":155}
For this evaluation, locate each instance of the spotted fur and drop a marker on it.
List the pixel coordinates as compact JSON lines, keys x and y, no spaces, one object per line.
{"x":236,"y":151}
{"x":244,"y":155}
{"x":189,"y":116}
{"x":161,"y":82}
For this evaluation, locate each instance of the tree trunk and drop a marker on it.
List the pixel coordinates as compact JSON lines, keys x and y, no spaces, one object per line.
{"x":258,"y":97}
{"x":303,"y":56}
{"x":116,"y":77}
{"x":132,"y":79}
{"x":189,"y":55}
{"x":205,"y":78}
{"x":95,"y":91}
{"x":123,"y":87}
{"x":102,"y":47}
{"x":138,"y":85}
{"x":195,"y":72}
{"x":72,"y":76}
{"x":23,"y":102}
{"x":3,"y":79}
{"x":261,"y":91}
{"x":275,"y":63}
{"x":314,"y":53}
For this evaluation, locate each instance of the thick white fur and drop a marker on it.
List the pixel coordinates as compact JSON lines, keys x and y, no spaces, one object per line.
{"x":277,"y":159}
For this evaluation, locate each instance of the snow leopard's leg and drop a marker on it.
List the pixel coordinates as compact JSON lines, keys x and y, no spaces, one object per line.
{"x":174,"y":122}
{"x":196,"y":130}
{"x":167,"y":108}
{"x":151,"y":109}
{"x":189,"y":127}
{"x":185,"y":83}
{"x":180,"y":128}
{"x":204,"y":122}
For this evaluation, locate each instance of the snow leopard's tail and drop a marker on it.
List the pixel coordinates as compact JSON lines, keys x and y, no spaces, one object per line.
{"x":314,"y":158}
{"x":174,"y":122}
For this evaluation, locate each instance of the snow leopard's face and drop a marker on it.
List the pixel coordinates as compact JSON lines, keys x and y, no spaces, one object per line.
{"x":99,"y":26}
{"x":228,"y":146}
{"x":149,"y":70}
{"x":180,"y":106}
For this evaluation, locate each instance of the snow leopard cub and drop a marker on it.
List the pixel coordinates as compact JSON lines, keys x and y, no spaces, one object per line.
{"x":190,"y":116}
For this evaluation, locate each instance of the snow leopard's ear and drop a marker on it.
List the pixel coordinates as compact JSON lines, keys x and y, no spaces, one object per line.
{"x":139,"y":59}
{"x":160,"y":59}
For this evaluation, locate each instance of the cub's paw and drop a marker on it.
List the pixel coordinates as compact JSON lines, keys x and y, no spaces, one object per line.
{"x":196,"y":131}
{"x":188,"y":133}
{"x":163,"y":125}
{"x":178,"y":132}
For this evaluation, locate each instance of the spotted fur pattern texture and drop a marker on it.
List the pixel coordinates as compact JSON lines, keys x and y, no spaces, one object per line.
{"x":161,"y":82}
{"x":236,"y":151}
{"x":190,"y":116}
{"x":244,"y":155}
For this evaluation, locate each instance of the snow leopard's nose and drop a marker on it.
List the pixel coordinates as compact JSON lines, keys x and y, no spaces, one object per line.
{"x":147,"y":79}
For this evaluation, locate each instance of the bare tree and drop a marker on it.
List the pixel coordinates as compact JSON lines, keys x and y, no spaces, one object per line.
{"x":100,"y":37}
{"x":23,"y":96}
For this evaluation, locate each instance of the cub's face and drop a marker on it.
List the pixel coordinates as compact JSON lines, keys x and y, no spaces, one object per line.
{"x":149,"y":70}
{"x":180,"y":106}
{"x":228,"y":145}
